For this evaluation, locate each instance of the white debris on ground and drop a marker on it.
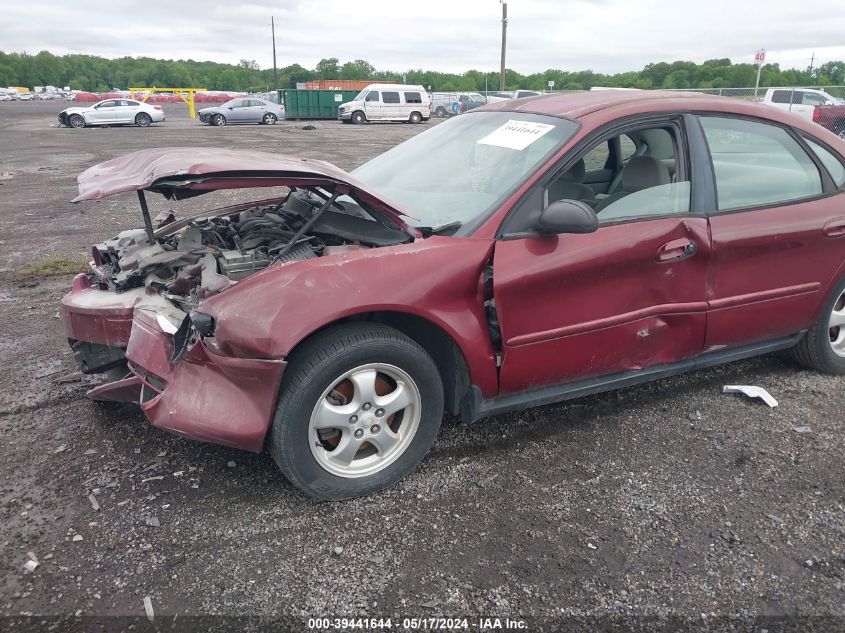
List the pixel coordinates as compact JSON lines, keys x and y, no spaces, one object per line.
{"x":752,"y":392}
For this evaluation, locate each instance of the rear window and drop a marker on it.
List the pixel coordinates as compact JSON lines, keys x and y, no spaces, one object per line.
{"x":390,"y":97}
{"x":832,"y":164}
{"x":757,"y":164}
{"x":413,"y":97}
{"x":781,"y":96}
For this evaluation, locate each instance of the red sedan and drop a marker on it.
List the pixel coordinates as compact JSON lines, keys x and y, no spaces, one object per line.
{"x":524,"y":253}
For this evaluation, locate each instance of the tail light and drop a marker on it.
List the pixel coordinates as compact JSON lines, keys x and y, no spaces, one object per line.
{"x":817,"y":114}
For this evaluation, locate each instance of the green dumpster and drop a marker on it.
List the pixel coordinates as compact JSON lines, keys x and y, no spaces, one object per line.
{"x":314,"y":104}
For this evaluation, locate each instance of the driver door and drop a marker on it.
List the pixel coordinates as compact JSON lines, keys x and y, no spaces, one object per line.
{"x":105,"y":112}
{"x":629,"y":296}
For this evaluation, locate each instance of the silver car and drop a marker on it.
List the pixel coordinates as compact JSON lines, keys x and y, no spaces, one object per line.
{"x":112,"y":112}
{"x":243,"y":110}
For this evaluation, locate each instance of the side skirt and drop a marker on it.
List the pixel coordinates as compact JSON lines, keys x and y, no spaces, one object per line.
{"x":474,"y":407}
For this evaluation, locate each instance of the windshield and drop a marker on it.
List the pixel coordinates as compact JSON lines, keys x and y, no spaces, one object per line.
{"x":460,"y":169}
{"x":360,"y":96}
{"x":474,"y":96}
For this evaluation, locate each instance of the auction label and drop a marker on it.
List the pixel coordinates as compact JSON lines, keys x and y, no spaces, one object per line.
{"x":516,"y":134}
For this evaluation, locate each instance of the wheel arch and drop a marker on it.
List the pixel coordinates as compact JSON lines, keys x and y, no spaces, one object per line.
{"x":433,"y":337}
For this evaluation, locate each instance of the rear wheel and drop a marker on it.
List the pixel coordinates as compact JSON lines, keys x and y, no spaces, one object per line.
{"x":268,"y":119}
{"x":143,"y":119}
{"x":823,"y":346}
{"x":416,"y":117}
{"x":839,"y":129}
{"x":218,"y":119}
{"x":360,"y":406}
{"x":76,"y":120}
{"x":440,"y":112}
{"x":358,"y":118}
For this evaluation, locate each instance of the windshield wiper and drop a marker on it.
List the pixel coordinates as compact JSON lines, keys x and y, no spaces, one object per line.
{"x":441,"y":229}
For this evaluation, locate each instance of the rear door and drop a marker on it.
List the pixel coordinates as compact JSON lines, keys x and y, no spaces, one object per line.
{"x":778,"y":234}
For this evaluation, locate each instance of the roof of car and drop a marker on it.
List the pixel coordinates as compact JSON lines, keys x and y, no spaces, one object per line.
{"x":577,"y":104}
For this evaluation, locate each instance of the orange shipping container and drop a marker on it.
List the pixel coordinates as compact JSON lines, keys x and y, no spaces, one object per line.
{"x":342,"y":84}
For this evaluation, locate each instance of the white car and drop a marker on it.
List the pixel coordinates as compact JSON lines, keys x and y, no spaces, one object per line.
{"x":25,"y":96}
{"x":5,"y":97}
{"x":112,"y":112}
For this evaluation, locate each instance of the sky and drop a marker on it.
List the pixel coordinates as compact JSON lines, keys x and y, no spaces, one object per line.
{"x":606,"y":36}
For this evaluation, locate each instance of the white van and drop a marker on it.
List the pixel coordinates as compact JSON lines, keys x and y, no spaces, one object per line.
{"x":387,"y":102}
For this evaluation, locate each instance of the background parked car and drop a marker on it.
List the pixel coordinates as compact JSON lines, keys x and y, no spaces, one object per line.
{"x":813,"y":105}
{"x":112,"y":112}
{"x":445,"y":104}
{"x":26,"y":96}
{"x":242,"y":110}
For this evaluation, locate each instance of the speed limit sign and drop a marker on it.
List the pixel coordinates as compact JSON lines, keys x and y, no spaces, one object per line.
{"x":760,"y":57}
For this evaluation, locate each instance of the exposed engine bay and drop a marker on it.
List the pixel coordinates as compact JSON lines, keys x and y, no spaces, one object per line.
{"x":193,"y":259}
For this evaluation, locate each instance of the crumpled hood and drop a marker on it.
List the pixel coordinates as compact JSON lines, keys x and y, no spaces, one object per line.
{"x":184,"y":171}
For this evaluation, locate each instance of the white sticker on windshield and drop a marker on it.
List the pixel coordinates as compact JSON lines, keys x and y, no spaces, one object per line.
{"x":516,"y":134}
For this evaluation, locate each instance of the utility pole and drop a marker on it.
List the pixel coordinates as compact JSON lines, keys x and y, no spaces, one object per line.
{"x":812,"y":61}
{"x":504,"y":42}
{"x":275,"y":77}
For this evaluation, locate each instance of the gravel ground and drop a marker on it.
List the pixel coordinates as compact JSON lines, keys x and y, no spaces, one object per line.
{"x":669,"y":500}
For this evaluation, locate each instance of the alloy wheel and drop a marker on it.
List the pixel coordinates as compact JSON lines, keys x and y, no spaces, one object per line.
{"x":364,"y":420}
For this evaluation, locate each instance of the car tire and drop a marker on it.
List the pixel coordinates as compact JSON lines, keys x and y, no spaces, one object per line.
{"x":218,"y":120}
{"x":823,"y":346}
{"x":142,"y":119}
{"x":269,"y":119}
{"x":308,"y":428}
{"x":358,"y":118}
{"x":839,"y":129}
{"x":76,"y":120}
{"x":440,"y":112}
{"x":415,"y":117}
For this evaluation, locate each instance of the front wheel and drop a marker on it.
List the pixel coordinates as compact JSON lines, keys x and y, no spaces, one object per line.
{"x":269,"y":119}
{"x":219,"y":120}
{"x":823,"y":346}
{"x":76,"y":120}
{"x":358,"y":118}
{"x":143,"y":119}
{"x":359,"y":408}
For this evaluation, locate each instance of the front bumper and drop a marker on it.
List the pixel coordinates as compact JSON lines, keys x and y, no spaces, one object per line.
{"x":203,"y":395}
{"x":344,"y":116}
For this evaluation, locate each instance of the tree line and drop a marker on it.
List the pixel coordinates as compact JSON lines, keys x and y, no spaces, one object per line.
{"x":98,"y":74}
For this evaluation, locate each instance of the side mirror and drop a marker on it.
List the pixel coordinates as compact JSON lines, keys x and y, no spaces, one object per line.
{"x":568,"y":216}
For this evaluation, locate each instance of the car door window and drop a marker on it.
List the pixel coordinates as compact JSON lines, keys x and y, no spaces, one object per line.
{"x":832,"y":164}
{"x":108,"y":104}
{"x":647,"y":186}
{"x":413,"y":97}
{"x":597,"y":157}
{"x":390,"y":97}
{"x":628,"y":147}
{"x":757,"y":164}
{"x":372,"y":95}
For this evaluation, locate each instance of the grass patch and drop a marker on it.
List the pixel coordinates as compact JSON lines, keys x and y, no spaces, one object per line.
{"x":54,"y":266}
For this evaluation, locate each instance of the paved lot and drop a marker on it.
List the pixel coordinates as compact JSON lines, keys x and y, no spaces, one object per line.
{"x":669,"y":499}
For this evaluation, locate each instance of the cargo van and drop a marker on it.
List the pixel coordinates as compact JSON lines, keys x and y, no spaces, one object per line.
{"x":387,"y":102}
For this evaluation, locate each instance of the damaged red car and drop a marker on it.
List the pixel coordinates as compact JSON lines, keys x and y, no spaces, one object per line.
{"x":521,"y":254}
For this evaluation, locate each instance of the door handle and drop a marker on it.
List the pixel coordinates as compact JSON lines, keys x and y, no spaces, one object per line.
{"x":676,"y":250}
{"x":835,"y":227}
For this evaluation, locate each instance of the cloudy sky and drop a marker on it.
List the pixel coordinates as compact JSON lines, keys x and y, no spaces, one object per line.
{"x":452,"y":36}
